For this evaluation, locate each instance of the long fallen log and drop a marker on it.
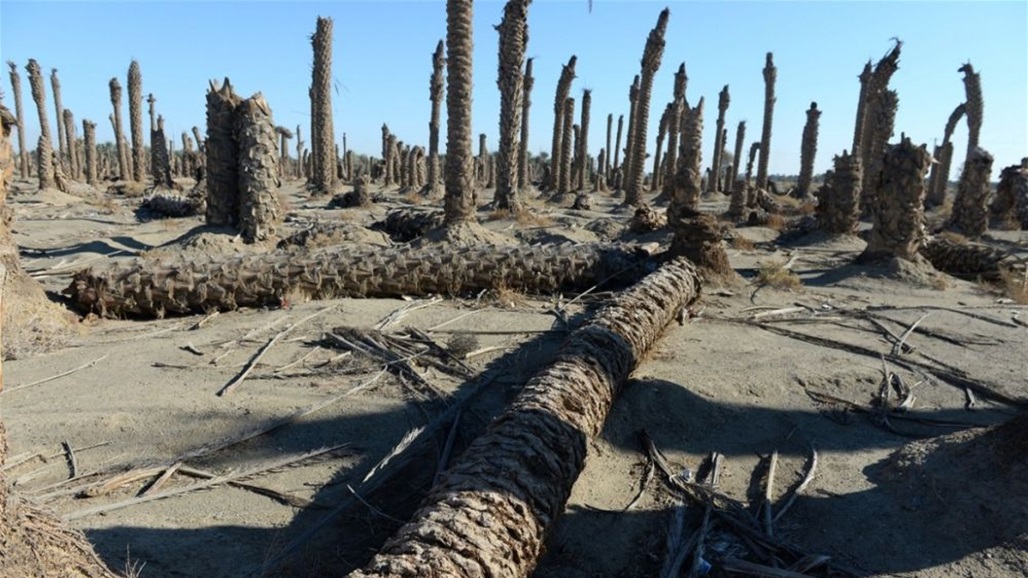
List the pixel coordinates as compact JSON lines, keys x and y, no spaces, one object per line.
{"x":149,"y":288}
{"x":488,"y":514}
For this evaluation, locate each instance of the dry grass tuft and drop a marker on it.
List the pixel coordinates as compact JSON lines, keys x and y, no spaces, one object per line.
{"x":506,"y":297}
{"x":35,"y":326}
{"x":498,"y":215}
{"x":775,"y":222}
{"x":1015,"y":285}
{"x":939,"y":282}
{"x":776,"y":275}
{"x":741,"y":243}
{"x":807,"y":208}
{"x":414,"y":198}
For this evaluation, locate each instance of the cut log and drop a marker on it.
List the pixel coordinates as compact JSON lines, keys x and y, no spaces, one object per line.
{"x":148,"y":288}
{"x":488,"y":514}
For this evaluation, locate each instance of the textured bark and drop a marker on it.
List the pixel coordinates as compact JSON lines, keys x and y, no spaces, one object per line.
{"x":939,"y":179}
{"x":838,"y":208}
{"x":89,"y":139}
{"x":898,"y":209}
{"x":389,"y":157}
{"x":882,"y":119}
{"x":513,"y":31}
{"x":436,"y":88}
{"x":1011,"y":202}
{"x":576,"y":159}
{"x":284,"y":134}
{"x":968,"y":260}
{"x":738,"y":201}
{"x":222,"y":160}
{"x":770,"y":74}
{"x":564,"y":184}
{"x":808,"y":150}
{"x":751,"y":197}
{"x":685,"y":200}
{"x":970,"y":215}
{"x":44,"y":146}
{"x":62,"y":138}
{"x":662,"y":130}
{"x":153,"y":289}
{"x":633,"y":99}
{"x":652,"y":55}
{"x":600,"y":183}
{"x":322,"y":131}
{"x":459,"y":203}
{"x":616,"y":167}
{"x":858,"y":130}
{"x":583,"y":141}
{"x":605,"y":165}
{"x":23,"y":154}
{"x":123,"y":169}
{"x":674,"y":129}
{"x":135,"y":92}
{"x":524,"y":177}
{"x":72,"y":153}
{"x":259,"y":210}
{"x":698,"y":238}
{"x":723,"y":101}
{"x":567,"y":75}
{"x":490,"y":511}
{"x":975,"y":106}
{"x":160,"y":167}
{"x":482,"y":172}
{"x":877,"y":85}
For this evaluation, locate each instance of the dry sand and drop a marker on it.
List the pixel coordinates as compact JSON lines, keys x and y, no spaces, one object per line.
{"x":139,"y":397}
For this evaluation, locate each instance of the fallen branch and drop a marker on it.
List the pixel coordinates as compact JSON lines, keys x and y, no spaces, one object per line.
{"x":55,"y":377}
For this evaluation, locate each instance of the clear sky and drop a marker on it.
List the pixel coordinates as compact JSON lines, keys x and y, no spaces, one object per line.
{"x":382,"y":63}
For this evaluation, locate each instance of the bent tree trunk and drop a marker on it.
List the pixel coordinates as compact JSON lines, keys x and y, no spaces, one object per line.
{"x":153,"y":289}
{"x":490,"y":511}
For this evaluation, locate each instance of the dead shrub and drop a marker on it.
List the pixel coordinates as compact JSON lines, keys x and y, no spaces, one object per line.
{"x":776,"y":275}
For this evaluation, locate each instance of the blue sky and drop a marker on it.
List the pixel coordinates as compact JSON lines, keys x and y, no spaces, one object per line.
{"x":382,"y":62}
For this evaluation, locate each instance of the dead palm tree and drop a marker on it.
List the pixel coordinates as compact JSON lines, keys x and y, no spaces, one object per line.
{"x":322,"y":131}
{"x":877,"y":84}
{"x":583,"y":141}
{"x":436,"y":88}
{"x":740,"y":137}
{"x":674,"y":129}
{"x":605,"y":166}
{"x":970,"y":215}
{"x":617,"y":149}
{"x":135,"y":90}
{"x":858,"y":131}
{"x":222,"y":159}
{"x":44,"y":148}
{"x":254,"y":132}
{"x":564,"y":184}
{"x":284,"y":134}
{"x":719,"y":142}
{"x":119,"y":138}
{"x":89,"y":142}
{"x":685,"y":201}
{"x":633,"y":99}
{"x":662,"y":132}
{"x":898,"y":208}
{"x":652,"y":55}
{"x":567,"y":75}
{"x":838,"y":207}
{"x":808,"y":150}
{"x":939,"y":178}
{"x":23,"y":155}
{"x":975,"y":105}
{"x":770,"y":74}
{"x":524,"y":178}
{"x":69,"y":129}
{"x":62,"y":138}
{"x":459,"y":203}
{"x":513,"y":29}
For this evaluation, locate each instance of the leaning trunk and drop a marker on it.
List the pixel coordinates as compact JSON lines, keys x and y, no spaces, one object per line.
{"x":43,"y":156}
{"x":652,"y":55}
{"x":23,"y":155}
{"x":542,"y":439}
{"x":567,"y":76}
{"x":62,"y":135}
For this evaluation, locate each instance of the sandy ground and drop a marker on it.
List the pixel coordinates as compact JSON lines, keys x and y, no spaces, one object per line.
{"x":141,"y":395}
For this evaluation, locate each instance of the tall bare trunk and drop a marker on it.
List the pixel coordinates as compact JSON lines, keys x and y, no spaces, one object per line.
{"x":662,"y":132}
{"x":898,"y":208}
{"x":970,"y":208}
{"x":284,"y":134}
{"x":62,"y":138}
{"x":513,"y":31}
{"x":222,"y":157}
{"x":737,"y":205}
{"x":510,"y":485}
{"x":583,"y":141}
{"x":135,"y":90}
{"x":740,"y":137}
{"x":45,"y":146}
{"x":870,"y":159}
{"x":69,"y":139}
{"x":770,"y":74}
{"x":674,"y":129}
{"x":719,"y":142}
{"x":160,"y":168}
{"x":617,"y":147}
{"x":564,"y":185}
{"x":89,"y":140}
{"x":882,"y":120}
{"x":524,"y":178}
{"x":633,"y":100}
{"x":436,"y":88}
{"x":975,"y":105}
{"x":23,"y":154}
{"x":808,"y":150}
{"x":751,"y":197}
{"x":685,"y":201}
{"x":123,"y":169}
{"x":605,"y":167}
{"x":939,"y":179}
{"x":322,"y":131}
{"x":858,"y":130}
{"x":652,"y":55}
{"x":459,"y":203}
{"x":567,"y":75}
{"x":259,"y":210}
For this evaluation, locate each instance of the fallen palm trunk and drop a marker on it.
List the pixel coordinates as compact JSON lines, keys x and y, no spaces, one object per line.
{"x":154,"y":289}
{"x":968,"y":260}
{"x":489,"y":512}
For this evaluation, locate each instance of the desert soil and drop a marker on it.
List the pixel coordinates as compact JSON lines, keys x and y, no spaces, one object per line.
{"x":886,"y":498}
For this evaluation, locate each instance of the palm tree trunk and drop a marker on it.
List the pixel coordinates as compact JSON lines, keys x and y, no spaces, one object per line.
{"x":23,"y":155}
{"x":564,"y":184}
{"x":567,"y":75}
{"x":45,"y":146}
{"x":524,"y":178}
{"x":685,"y":202}
{"x":69,"y":139}
{"x":970,"y":215}
{"x":870,"y":158}
{"x":259,"y":210}
{"x":89,"y":140}
{"x":322,"y":131}
{"x":770,"y":74}
{"x":662,"y":132}
{"x":152,"y":289}
{"x":459,"y":203}
{"x":583,"y":141}
{"x":674,"y":130}
{"x":740,"y":138}
{"x":713,"y":185}
{"x":838,"y":207}
{"x":605,"y":167}
{"x":513,"y":31}
{"x":881,"y":119}
{"x":135,"y":90}
{"x":808,"y":150}
{"x":633,"y":101}
{"x":123,"y":169}
{"x":222,"y":157}
{"x":974,"y":104}
{"x":652,"y":55}
{"x":617,"y":149}
{"x":858,"y":131}
{"x":62,"y":138}
{"x":436,"y":88}
{"x":939,"y":178}
{"x":899,"y":207}
{"x":513,"y":481}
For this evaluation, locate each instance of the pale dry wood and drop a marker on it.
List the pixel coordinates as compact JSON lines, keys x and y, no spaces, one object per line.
{"x":769,"y":489}
{"x":402,"y":312}
{"x":204,"y":321}
{"x":161,"y":480}
{"x":903,"y":338}
{"x":808,"y":477}
{"x":58,"y":376}
{"x":283,"y":498}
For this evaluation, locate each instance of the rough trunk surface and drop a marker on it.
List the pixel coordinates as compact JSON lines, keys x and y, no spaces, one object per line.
{"x":123,"y":169}
{"x":222,"y":161}
{"x":89,"y":138}
{"x":939,"y":179}
{"x":153,"y":289}
{"x":583,"y":141}
{"x":633,"y":99}
{"x":135,"y":90}
{"x":858,"y":131}
{"x":662,"y":133}
{"x":883,"y":119}
{"x":23,"y":154}
{"x":685,"y":201}
{"x":838,"y":207}
{"x":70,"y":150}
{"x":652,"y":55}
{"x":524,"y":177}
{"x":565,"y":177}
{"x":674,"y":129}
{"x":436,"y":89}
{"x":770,"y":74}
{"x":459,"y":203}
{"x":719,"y":142}
{"x":62,"y":135}
{"x":44,"y":144}
{"x":808,"y":150}
{"x":870,"y":157}
{"x":1011,"y":202}
{"x":898,"y":209}
{"x":489,"y":513}
{"x":322,"y":131}
{"x":513,"y":31}
{"x":975,"y":106}
{"x":259,"y":210}
{"x":970,"y":215}
{"x":604,"y":167}
{"x":616,"y":167}
{"x":567,"y":76}
{"x":160,"y":161}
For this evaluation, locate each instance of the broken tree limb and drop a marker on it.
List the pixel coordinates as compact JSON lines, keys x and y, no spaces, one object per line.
{"x":488,"y":514}
{"x":150,"y":288}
